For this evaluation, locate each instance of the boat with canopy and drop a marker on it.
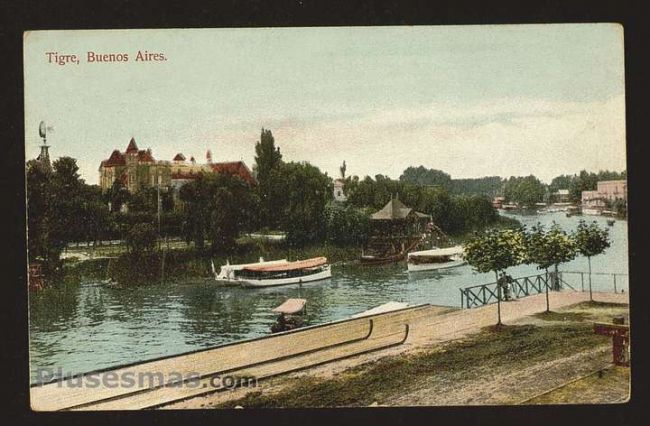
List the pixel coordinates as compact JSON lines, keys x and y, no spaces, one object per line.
{"x":291,"y":315}
{"x":438,"y":258}
{"x":229,"y":274}
{"x":297,"y":272}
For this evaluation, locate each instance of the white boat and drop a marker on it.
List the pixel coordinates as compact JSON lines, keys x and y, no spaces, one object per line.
{"x":438,"y":258}
{"x":591,"y":212}
{"x":228,"y":274}
{"x":298,"y":272}
{"x":386,"y":307}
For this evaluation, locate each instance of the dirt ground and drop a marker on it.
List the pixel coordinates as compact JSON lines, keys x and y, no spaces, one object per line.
{"x":611,"y":384}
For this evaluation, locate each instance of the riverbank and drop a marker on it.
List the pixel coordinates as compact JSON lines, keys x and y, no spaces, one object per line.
{"x":531,"y":354}
{"x":179,"y":260}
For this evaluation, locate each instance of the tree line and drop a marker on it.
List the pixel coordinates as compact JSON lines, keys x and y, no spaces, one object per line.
{"x":295,"y":198}
{"x":497,"y":250}
{"x":523,"y":190}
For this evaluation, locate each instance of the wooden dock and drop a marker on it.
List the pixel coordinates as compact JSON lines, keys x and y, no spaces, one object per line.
{"x":166,"y":380}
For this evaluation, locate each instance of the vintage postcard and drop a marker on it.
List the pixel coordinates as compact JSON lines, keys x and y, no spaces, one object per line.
{"x":327,"y":217}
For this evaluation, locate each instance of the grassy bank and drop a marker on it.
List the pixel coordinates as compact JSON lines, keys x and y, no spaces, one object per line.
{"x":159,"y":266}
{"x":435,"y":371}
{"x":178,"y":260}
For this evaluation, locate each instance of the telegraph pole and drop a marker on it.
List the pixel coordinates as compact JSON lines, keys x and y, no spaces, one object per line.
{"x":158,"y":203}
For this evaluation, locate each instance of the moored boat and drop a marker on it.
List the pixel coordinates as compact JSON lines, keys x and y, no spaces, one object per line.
{"x":367,"y":259}
{"x":298,"y":272}
{"x":591,"y":212}
{"x":438,"y":258}
{"x":229,"y":274}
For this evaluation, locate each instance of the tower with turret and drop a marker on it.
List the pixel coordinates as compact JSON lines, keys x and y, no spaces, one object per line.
{"x":44,"y":156}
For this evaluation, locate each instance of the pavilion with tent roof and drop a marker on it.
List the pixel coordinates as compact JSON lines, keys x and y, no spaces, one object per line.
{"x":395,"y":230}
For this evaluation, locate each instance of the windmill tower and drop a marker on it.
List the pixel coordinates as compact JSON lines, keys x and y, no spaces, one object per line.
{"x":44,"y":156}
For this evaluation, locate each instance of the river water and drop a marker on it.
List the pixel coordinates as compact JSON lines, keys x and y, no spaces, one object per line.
{"x":87,"y":326}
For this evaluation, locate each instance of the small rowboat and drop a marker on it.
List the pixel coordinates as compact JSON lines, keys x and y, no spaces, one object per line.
{"x":428,"y":260}
{"x":289,"y":315}
{"x":381,"y":260}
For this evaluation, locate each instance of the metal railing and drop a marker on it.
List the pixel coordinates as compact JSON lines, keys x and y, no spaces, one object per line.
{"x":485,"y":294}
{"x":618,"y":282}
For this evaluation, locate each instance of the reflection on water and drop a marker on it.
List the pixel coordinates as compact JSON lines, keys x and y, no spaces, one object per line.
{"x":85,"y":326}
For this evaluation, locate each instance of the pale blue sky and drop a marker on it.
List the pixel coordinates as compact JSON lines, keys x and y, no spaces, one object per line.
{"x":470,"y":100}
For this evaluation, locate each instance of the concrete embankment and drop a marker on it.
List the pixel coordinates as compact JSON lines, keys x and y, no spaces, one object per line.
{"x":318,"y":350}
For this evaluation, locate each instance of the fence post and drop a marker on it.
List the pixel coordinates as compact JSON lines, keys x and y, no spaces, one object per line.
{"x":582,"y":281}
{"x":462,"y":301}
{"x":614,"y":275}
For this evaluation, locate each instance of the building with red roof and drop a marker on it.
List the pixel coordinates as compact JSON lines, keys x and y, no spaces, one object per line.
{"x":135,"y":168}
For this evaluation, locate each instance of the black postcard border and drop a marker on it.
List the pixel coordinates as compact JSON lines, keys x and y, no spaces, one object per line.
{"x":17,"y":17}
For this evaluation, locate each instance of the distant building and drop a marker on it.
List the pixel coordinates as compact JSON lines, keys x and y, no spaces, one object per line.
{"x":612,"y":190}
{"x":138,"y":169}
{"x":592,"y":200}
{"x":607,"y":191}
{"x":497,"y":203}
{"x":134,"y":168}
{"x":183,"y":172}
{"x":562,"y":196}
{"x":339,"y":195}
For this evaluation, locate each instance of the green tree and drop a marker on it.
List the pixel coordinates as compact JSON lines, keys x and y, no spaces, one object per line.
{"x":427,"y":177}
{"x":268,"y":160}
{"x":346,"y":225}
{"x":591,"y":240}
{"x":306,"y":193}
{"x":38,"y":209}
{"x":620,"y":207}
{"x":141,"y":238}
{"x":549,"y":248}
{"x":451,"y":213}
{"x":584,"y":181}
{"x":233,"y":207}
{"x":195,"y":196}
{"x":489,"y":186}
{"x":117,"y":195}
{"x":97,"y":222}
{"x":217,"y":207}
{"x":144,"y":201}
{"x":526,"y":191}
{"x":67,"y":218}
{"x":61,"y":208}
{"x":496,"y":250}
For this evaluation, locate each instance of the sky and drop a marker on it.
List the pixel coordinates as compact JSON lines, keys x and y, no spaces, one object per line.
{"x":473,"y":101}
